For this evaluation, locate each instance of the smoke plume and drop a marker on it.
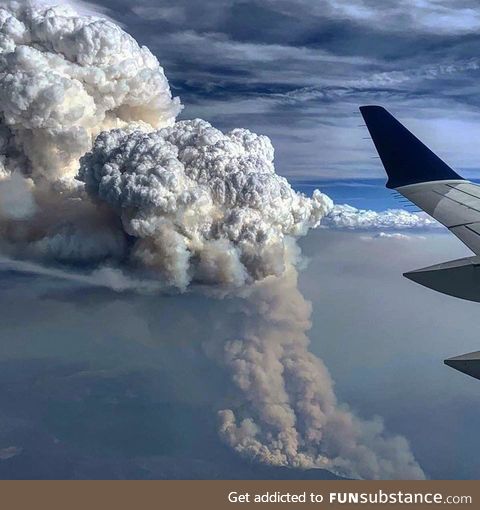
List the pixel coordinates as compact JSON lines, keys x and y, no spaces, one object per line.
{"x":95,"y":173}
{"x":293,"y":417}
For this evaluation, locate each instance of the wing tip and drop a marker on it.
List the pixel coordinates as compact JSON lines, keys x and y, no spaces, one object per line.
{"x":369,"y":107}
{"x":405,"y":158}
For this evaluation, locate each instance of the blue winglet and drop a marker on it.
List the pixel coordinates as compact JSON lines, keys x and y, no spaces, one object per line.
{"x":405,"y":158}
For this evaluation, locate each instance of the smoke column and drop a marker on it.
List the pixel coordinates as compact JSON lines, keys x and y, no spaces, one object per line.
{"x":104,"y":179}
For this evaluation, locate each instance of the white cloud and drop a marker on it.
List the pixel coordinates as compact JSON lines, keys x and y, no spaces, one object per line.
{"x":350,"y":218}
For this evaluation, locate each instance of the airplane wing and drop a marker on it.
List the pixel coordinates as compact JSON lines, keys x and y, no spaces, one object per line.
{"x":418,"y":174}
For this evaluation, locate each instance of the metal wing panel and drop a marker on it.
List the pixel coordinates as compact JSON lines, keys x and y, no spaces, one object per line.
{"x":456,"y":195}
{"x":468,"y":188}
{"x":444,"y":201}
{"x":455,"y":204}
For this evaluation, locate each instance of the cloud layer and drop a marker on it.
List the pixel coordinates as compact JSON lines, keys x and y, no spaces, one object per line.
{"x":309,"y":64}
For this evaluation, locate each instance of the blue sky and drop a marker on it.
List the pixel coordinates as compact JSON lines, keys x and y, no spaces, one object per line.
{"x":364,"y":193}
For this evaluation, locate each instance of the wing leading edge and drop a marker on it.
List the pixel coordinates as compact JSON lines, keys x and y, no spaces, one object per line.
{"x":418,"y":174}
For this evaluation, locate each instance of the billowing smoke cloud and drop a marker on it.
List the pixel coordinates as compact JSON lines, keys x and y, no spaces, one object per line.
{"x":344,"y":216}
{"x":63,"y":80}
{"x":105,"y":178}
{"x":204,"y":206}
